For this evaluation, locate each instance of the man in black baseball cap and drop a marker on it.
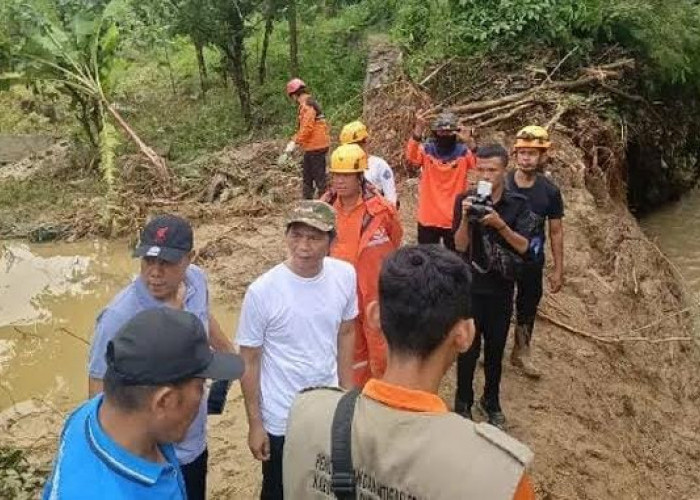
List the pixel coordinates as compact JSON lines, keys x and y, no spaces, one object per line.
{"x":166,"y":237}
{"x":122,"y":440}
{"x":168,"y":279}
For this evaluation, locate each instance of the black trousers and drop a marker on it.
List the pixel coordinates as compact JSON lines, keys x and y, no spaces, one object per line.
{"x":272,"y":471}
{"x":529,"y":294}
{"x":314,"y":174}
{"x":195,"y":476}
{"x":428,"y":235}
{"x":492,"y":317}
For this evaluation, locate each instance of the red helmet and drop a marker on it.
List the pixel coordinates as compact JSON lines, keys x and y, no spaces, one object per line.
{"x":294,"y":85}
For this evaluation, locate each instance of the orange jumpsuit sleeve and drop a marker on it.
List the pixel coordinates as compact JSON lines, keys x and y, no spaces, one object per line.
{"x":307,"y":120}
{"x":415,"y":153}
{"x":395,"y":229}
{"x":525,"y":490}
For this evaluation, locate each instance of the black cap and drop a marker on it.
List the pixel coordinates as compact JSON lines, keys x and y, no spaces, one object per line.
{"x":166,"y":237}
{"x":162,"y":346}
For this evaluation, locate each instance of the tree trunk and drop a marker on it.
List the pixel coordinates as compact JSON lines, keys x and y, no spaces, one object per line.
{"x":293,"y":47}
{"x":235,"y":51}
{"x":161,"y":168}
{"x":269,"y":15}
{"x":202,"y":65}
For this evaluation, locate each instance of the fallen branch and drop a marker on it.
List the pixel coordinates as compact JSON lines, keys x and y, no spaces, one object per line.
{"x":557,"y":116}
{"x":612,"y":339}
{"x":621,"y":93}
{"x":436,"y":71}
{"x":506,"y":116}
{"x":491,"y":111}
{"x":556,"y":68}
{"x":71,"y":334}
{"x":156,"y":161}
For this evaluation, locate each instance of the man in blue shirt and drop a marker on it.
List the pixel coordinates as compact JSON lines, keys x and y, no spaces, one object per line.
{"x":117,"y":445}
{"x":167,"y":279}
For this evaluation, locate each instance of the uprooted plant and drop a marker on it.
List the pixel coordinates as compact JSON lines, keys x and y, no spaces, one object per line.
{"x":77,"y":52}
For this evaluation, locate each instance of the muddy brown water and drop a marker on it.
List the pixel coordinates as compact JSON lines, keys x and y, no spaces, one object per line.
{"x":50,"y":296}
{"x":676,"y":230}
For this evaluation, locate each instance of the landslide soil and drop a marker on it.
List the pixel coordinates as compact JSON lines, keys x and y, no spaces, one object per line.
{"x":609,"y":419}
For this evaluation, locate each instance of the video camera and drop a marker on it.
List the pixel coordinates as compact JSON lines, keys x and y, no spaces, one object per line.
{"x":481,"y":203}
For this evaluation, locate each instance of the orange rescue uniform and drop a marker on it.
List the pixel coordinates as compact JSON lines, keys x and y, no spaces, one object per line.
{"x":366,"y":234}
{"x":442,"y":179}
{"x":312,"y":129}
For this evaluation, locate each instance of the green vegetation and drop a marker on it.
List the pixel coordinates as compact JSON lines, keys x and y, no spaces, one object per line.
{"x":193,"y":76}
{"x":664,"y":35}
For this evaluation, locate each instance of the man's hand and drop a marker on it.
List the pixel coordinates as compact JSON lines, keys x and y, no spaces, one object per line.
{"x":556,"y":280}
{"x":466,"y":205}
{"x":493,"y":220}
{"x":259,"y":442}
{"x":421,"y":123}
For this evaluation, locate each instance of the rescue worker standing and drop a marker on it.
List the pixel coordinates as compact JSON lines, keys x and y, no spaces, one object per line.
{"x":492,"y":231}
{"x":378,"y":171}
{"x":444,"y":162}
{"x":397,"y":439}
{"x":545,"y":199}
{"x":312,"y":136}
{"x":369,"y":229}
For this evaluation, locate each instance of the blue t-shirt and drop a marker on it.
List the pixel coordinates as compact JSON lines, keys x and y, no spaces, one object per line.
{"x":90,"y":464}
{"x":131,"y":301}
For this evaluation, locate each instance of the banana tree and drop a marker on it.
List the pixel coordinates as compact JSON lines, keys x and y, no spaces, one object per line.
{"x":80,"y":58}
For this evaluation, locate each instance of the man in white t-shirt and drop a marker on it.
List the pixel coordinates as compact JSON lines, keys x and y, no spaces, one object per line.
{"x":296,"y":331}
{"x":378,"y":171}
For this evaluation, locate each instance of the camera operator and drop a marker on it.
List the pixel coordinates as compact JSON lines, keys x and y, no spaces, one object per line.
{"x":492,"y":229}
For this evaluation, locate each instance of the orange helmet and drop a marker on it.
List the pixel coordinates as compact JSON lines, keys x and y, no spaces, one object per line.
{"x":294,"y":85}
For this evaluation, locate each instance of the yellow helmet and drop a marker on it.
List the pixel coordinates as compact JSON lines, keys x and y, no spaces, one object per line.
{"x":348,"y":159}
{"x":353,"y":132}
{"x":533,"y":136}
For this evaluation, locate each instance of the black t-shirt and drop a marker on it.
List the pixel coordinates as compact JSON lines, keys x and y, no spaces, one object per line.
{"x":544,"y":197}
{"x":515,"y":211}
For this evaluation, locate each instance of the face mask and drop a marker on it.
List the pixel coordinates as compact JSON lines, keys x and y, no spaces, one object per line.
{"x":445,"y":143}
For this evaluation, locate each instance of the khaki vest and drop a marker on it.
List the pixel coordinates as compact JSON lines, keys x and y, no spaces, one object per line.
{"x":399,"y":454}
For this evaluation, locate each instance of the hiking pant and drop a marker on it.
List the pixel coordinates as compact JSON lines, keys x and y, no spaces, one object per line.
{"x":272,"y":488}
{"x":430,"y":235}
{"x":195,"y":476}
{"x":314,"y":174}
{"x":529,"y":294}
{"x":492,"y":317}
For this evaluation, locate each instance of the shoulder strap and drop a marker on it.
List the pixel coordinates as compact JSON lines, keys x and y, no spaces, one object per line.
{"x":343,"y":477}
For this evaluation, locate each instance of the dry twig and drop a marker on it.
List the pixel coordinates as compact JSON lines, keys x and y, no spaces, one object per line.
{"x":618,"y":339}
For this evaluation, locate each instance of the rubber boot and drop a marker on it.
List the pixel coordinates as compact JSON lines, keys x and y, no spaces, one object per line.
{"x":520,"y":357}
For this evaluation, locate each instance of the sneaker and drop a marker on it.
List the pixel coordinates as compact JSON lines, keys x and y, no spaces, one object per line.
{"x":493,"y":417}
